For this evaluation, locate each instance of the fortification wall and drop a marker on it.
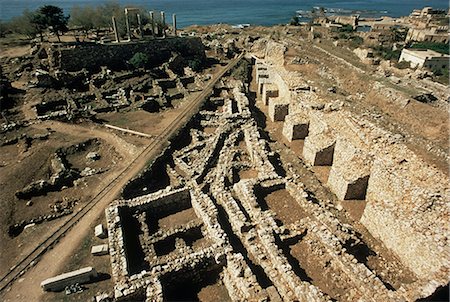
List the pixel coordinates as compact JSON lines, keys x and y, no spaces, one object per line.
{"x":405,"y":197}
{"x":92,"y":56}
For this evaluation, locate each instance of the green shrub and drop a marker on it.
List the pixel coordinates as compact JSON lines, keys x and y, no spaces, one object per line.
{"x":139,"y":60}
{"x":356,"y":41}
{"x":437,"y":71}
{"x":402,"y":65}
{"x":439,"y":47}
{"x":441,"y":75}
{"x":242,"y":71}
{"x":343,"y":36}
{"x":347,"y":28}
{"x":195,"y":64}
{"x":387,"y":53}
{"x":295,"y":21}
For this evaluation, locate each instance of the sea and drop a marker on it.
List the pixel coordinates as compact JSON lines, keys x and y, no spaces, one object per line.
{"x":254,"y":12}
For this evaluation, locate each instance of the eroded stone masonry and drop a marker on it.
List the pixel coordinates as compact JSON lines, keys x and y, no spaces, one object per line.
{"x":236,"y":218}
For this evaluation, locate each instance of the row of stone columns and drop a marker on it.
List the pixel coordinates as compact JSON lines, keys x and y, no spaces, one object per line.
{"x":152,"y":18}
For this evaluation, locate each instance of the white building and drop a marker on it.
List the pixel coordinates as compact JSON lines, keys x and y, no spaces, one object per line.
{"x":425,"y":58}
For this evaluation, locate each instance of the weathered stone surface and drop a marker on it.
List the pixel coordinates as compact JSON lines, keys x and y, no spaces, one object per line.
{"x":296,"y":126}
{"x":318,"y":149}
{"x":99,"y":250}
{"x":278,"y":110}
{"x":269,"y":90}
{"x":100,"y":231}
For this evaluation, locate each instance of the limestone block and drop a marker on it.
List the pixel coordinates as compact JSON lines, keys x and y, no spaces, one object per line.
{"x":318,"y":149}
{"x":261,"y":83}
{"x":278,"y":110}
{"x":317,"y":123}
{"x":269,"y":90}
{"x":260,"y":68}
{"x":100,"y":231}
{"x":273,"y":294}
{"x":296,"y":127}
{"x":99,"y":250}
{"x":348,"y":182}
{"x":349,"y":175}
{"x":59,"y":282}
{"x":263,"y":74}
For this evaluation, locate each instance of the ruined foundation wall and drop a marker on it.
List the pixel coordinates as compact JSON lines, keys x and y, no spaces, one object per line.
{"x":350,"y":171}
{"x":273,"y":89}
{"x":406,"y":198}
{"x":407,"y":209}
{"x":92,"y":56}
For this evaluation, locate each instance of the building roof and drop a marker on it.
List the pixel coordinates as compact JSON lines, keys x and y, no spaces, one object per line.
{"x":425,"y":53}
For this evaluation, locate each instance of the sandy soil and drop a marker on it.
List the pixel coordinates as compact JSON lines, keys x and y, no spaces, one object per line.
{"x":22,"y":166}
{"x":14,"y":52}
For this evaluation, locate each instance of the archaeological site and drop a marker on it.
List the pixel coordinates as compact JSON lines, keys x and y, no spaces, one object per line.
{"x":219,"y":163}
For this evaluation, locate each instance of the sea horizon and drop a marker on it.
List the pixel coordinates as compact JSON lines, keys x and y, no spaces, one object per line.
{"x":254,"y":12}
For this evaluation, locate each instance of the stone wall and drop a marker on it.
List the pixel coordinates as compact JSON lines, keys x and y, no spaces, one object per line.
{"x":407,"y":198}
{"x":296,"y":127}
{"x":115,"y":56}
{"x":350,"y":172}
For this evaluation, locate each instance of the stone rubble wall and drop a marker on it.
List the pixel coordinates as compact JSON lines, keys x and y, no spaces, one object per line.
{"x":92,"y":56}
{"x":351,"y":166}
{"x":318,"y":149}
{"x":258,"y":151}
{"x":260,"y":242}
{"x":269,"y":90}
{"x":296,"y":126}
{"x":240,"y":281}
{"x":126,"y":285}
{"x":278,"y":110}
{"x":274,"y":91}
{"x":406,"y":197}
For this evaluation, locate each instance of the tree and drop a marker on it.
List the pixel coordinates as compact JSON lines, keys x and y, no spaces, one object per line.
{"x":83,"y":17}
{"x":52,"y":17}
{"x":313,"y":14}
{"x":29,"y":24}
{"x":39,"y":23}
{"x":139,"y":60}
{"x":4,"y":28}
{"x":295,"y":21}
{"x":322,"y":11}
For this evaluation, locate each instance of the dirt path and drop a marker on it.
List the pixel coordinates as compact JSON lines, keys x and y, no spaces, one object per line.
{"x":15,"y":52}
{"x":124,"y":148}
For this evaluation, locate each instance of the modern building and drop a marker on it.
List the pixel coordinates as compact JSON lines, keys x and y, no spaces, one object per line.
{"x":427,"y":12}
{"x":425,"y":58}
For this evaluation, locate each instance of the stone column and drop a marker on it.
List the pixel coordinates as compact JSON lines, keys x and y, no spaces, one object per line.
{"x":163,"y":23}
{"x":128,"y":25}
{"x":174,"y":21}
{"x":116,"y":32}
{"x":152,"y":17}
{"x":139,"y":24}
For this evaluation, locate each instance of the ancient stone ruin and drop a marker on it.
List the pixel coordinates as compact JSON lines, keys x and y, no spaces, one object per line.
{"x":235,"y":216}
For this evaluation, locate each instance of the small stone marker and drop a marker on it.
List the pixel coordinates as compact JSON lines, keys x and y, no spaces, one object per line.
{"x":100,"y":231}
{"x":93,"y":156}
{"x":99,"y":250}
